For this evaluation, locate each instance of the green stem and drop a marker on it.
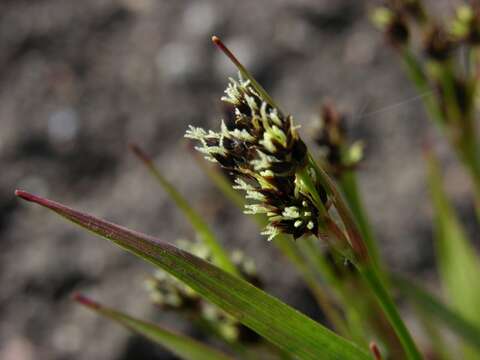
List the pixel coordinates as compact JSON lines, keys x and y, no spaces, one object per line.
{"x":388,"y":306}
{"x":349,"y":185}
{"x":417,"y":75}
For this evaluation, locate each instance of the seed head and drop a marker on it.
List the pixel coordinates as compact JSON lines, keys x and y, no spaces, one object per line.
{"x":261,"y":147}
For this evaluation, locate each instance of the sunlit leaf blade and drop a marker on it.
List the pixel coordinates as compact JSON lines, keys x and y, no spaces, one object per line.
{"x":349,"y":187}
{"x":220,"y":257}
{"x":436,"y":309}
{"x":182,"y":346}
{"x":275,"y":321}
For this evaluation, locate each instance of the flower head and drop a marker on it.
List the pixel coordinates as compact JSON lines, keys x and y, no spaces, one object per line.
{"x":261,"y":147}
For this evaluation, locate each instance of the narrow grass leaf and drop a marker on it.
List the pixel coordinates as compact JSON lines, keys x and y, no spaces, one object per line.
{"x":182,"y":346}
{"x":282,"y":325}
{"x":458,"y":262}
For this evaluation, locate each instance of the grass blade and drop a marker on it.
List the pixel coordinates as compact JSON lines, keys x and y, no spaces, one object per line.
{"x":275,"y":321}
{"x":183,"y":346}
{"x":458,"y":262}
{"x":220,"y":257}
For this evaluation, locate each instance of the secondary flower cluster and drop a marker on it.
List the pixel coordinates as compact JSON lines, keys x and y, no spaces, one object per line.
{"x":338,"y":154}
{"x":170,"y":294}
{"x":261,"y":147}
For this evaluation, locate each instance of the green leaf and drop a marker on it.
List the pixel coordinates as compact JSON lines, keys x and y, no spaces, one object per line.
{"x":183,"y":346}
{"x":432,"y":306}
{"x":457,"y":260}
{"x":349,"y":187}
{"x":458,"y":263}
{"x":220,"y":257}
{"x":282,"y":325}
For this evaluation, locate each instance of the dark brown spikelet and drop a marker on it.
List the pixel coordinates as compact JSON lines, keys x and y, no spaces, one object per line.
{"x":261,"y":146}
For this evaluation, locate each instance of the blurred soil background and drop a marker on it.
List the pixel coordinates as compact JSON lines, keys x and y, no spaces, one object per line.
{"x":79,"y":80}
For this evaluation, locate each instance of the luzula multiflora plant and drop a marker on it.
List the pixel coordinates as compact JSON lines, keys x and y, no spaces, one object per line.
{"x":261,"y":147}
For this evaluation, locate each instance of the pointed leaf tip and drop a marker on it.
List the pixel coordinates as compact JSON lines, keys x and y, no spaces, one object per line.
{"x":52,"y":205}
{"x":27,"y":196}
{"x":219,"y":44}
{"x":85,"y":301}
{"x":377,"y":355}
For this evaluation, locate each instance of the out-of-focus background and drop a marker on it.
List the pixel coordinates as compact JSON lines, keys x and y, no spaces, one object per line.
{"x":81,"y":79}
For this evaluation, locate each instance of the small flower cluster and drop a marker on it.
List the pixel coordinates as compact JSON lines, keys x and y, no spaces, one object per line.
{"x":435,"y":65}
{"x":398,"y":17}
{"x":169,"y":293}
{"x":262,"y":149}
{"x":337,"y":154}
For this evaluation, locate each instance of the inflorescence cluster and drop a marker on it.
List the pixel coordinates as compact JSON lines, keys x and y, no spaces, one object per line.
{"x":261,"y":147}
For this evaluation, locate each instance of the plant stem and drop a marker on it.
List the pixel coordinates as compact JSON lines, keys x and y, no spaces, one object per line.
{"x":388,"y":306}
{"x":349,"y":186}
{"x":417,"y":75}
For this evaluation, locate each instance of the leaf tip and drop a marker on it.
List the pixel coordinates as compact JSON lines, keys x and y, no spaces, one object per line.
{"x":85,"y":301}
{"x":220,"y":45}
{"x":377,"y":355}
{"x":216,"y":40}
{"x":140,"y":153}
{"x":27,"y":196}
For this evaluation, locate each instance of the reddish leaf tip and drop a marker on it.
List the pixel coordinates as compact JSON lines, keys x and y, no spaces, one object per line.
{"x":85,"y":301}
{"x":219,"y":43}
{"x":27,"y":196}
{"x":375,"y":351}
